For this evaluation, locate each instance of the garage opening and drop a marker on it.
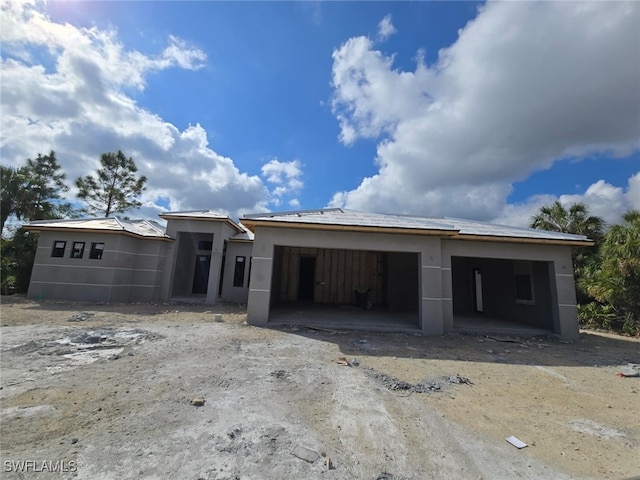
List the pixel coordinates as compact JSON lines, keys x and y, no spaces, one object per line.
{"x":503,"y":295}
{"x":345,"y":288}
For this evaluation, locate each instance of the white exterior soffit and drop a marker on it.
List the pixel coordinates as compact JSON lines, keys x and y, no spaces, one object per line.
{"x":136,"y":228}
{"x":202,"y":216}
{"x":455,"y":229}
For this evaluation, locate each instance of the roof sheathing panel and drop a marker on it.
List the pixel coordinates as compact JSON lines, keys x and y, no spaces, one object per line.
{"x":347,"y":220}
{"x":134,"y":228}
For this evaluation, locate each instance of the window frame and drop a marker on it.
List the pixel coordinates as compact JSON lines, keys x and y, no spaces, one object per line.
{"x":58,"y":252}
{"x":239,"y":270}
{"x":73,"y":250}
{"x":93,"y":252}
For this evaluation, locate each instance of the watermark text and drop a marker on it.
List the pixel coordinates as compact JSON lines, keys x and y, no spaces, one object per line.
{"x":38,"y":466}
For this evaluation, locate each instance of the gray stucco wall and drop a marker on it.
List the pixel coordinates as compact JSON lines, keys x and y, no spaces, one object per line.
{"x":229,"y":292}
{"x":129,"y":271}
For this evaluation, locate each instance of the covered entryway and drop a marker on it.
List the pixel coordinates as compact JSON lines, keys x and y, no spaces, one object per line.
{"x":193,"y":265}
{"x":348,"y":288}
{"x":503,"y":295}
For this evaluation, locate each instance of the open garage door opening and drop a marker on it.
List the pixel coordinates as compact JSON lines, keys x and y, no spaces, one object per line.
{"x":345,"y":288}
{"x":503,"y":296}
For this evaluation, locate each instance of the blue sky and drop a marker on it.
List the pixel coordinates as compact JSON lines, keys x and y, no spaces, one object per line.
{"x":465,"y":109}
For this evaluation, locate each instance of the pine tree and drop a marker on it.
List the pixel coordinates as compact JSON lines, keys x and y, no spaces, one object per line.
{"x":115,"y":188}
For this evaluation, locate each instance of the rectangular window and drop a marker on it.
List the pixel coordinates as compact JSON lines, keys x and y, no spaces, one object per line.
{"x":77,"y":250}
{"x":96,"y":250}
{"x":523,"y":283}
{"x":249,"y":276}
{"x":238,"y":274}
{"x":58,"y":248}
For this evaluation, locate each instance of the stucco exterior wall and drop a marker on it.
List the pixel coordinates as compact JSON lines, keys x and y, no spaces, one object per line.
{"x":129,"y":270}
{"x":229,"y":292}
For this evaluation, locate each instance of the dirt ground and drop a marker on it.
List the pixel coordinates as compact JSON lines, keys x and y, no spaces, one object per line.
{"x":106,"y":392}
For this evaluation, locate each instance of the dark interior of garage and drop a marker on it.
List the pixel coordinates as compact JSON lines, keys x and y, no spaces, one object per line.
{"x":503,"y":291}
{"x":358,"y":286}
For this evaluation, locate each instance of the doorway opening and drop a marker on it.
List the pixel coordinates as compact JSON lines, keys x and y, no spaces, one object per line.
{"x":201,"y":274}
{"x":306,"y":279}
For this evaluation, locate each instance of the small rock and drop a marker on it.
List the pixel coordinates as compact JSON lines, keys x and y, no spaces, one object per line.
{"x":197,"y":401}
{"x":74,"y":441}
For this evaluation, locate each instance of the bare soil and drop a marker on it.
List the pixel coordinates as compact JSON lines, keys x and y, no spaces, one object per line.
{"x":115,"y":392}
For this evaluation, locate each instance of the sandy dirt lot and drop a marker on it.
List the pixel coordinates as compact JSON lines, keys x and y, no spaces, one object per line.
{"x":106,"y":392}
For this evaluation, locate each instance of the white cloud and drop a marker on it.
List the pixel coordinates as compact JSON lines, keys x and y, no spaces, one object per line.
{"x":386,"y":28}
{"x":285,"y":176}
{"x":633,"y":192}
{"x":77,"y":105}
{"x":603,"y":200}
{"x":526,"y":84}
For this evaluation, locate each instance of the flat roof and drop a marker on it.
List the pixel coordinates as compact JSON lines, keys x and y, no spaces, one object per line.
{"x":350,"y":220}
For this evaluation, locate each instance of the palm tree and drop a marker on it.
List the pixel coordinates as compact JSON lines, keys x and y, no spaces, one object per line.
{"x":576,"y":219}
{"x":616,"y":279}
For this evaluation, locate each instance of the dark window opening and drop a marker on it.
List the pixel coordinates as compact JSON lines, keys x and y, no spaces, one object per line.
{"x":206,"y":245}
{"x":524,"y":289}
{"x":238,"y":274}
{"x":78,"y":250}
{"x":58,"y":248}
{"x":96,"y":250}
{"x":249,"y":275}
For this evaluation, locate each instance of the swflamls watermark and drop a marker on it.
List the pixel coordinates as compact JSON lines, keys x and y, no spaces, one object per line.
{"x":38,"y":466}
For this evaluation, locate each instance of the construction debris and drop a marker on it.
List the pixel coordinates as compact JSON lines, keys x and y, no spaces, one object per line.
{"x":325,"y":330}
{"x":80,"y":317}
{"x":197,"y":401}
{"x":304,"y":453}
{"x":516,"y":442}
{"x":629,"y":370}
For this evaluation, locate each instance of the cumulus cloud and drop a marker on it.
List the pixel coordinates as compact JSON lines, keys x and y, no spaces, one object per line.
{"x":603,"y":200}
{"x":526,"y":84}
{"x":76,"y":104}
{"x":285,"y":176}
{"x":386,"y":28}
{"x":633,"y":192}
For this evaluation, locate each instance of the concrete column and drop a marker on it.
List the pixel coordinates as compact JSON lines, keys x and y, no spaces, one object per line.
{"x":260,"y":288}
{"x":166,"y":285}
{"x":431,"y":304}
{"x":447,"y":296}
{"x":567,"y":326}
{"x":215,"y":268}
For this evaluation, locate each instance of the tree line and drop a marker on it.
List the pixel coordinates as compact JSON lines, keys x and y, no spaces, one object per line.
{"x":607,"y":274}
{"x":36,"y":191}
